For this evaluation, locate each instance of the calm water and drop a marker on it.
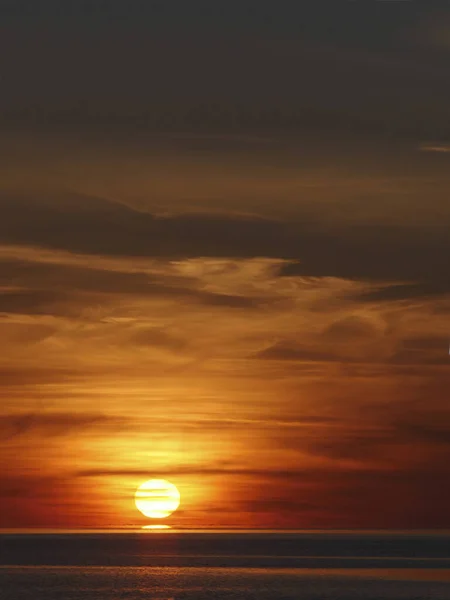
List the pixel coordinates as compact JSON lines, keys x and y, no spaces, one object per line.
{"x":275,"y":566}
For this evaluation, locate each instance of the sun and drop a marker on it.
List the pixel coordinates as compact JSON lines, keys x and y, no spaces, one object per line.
{"x":157,"y":498}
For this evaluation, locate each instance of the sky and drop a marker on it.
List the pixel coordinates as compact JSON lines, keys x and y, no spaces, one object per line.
{"x":224,"y":261}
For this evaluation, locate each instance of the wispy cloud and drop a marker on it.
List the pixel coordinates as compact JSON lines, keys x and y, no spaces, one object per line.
{"x":53,"y":424}
{"x":435,"y":147}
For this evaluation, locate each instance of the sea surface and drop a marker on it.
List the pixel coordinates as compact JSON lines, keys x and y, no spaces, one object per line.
{"x":176,"y":565}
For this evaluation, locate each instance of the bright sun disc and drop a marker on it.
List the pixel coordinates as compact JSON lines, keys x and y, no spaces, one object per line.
{"x":157,"y":498}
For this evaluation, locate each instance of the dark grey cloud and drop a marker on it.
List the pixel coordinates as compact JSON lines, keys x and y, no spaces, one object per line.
{"x":437,"y":434}
{"x":62,"y":279}
{"x":54,"y":424}
{"x":350,"y":329}
{"x":426,"y":343}
{"x":339,"y":342}
{"x":25,"y":334}
{"x":429,"y":427}
{"x":406,"y":291}
{"x":355,"y":24}
{"x":93,"y":225}
{"x":365,"y":444}
{"x":376,"y":251}
{"x":291,"y":352}
{"x":69,"y":290}
{"x":422,"y":351}
{"x":17,"y":376}
{"x":50,"y":383}
{"x":219,"y":470}
{"x":35,"y":486}
{"x":425,"y":431}
{"x":98,"y":226}
{"x":347,"y":67}
{"x":283,"y":504}
{"x":153,"y":336}
{"x":36,"y":302}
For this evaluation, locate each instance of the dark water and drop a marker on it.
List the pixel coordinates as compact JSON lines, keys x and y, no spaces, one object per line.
{"x":186,"y":565}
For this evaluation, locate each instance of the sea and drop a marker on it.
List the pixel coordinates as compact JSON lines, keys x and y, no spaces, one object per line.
{"x":209,"y":565}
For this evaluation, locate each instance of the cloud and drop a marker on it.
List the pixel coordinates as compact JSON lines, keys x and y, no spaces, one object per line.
{"x":404,"y":438}
{"x":351,"y":328}
{"x":406,"y":291}
{"x":198,"y":471}
{"x":376,"y":252}
{"x":196,"y":309}
{"x":21,"y":376}
{"x":19,"y":334}
{"x":432,"y":428}
{"x":98,"y":227}
{"x":422,"y":350}
{"x":36,"y":302}
{"x":286,"y":352}
{"x":358,"y":52}
{"x":66,"y":289}
{"x":54,"y":424}
{"x":153,"y":336}
{"x":351,"y":338}
{"x":439,"y":148}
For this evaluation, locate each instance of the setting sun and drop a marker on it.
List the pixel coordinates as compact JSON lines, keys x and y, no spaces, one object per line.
{"x":157,"y":498}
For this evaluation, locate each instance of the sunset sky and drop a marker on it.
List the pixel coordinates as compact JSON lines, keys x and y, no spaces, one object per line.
{"x":225,"y":262}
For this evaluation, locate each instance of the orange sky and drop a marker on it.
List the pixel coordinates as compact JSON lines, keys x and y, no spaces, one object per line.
{"x":256,"y":309}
